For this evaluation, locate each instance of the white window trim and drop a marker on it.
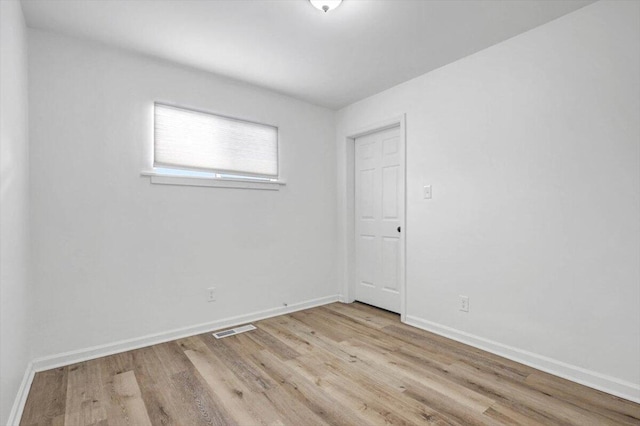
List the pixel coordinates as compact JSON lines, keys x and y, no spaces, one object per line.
{"x":238,"y":183}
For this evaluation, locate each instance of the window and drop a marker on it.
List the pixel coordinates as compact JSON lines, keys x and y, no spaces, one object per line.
{"x":199,"y":144}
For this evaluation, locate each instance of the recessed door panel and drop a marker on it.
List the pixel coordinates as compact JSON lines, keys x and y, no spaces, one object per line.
{"x":366,"y":194}
{"x":390,"y":145}
{"x":367,"y":250}
{"x":390,"y":263}
{"x":390,"y":177}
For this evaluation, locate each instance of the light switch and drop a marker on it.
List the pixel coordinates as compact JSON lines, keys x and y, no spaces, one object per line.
{"x":427,"y":192}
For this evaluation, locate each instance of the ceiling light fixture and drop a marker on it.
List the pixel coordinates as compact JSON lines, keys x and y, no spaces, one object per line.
{"x":325,"y":5}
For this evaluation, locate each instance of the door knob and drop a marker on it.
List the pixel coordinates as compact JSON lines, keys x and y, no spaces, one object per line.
{"x":399,"y":229}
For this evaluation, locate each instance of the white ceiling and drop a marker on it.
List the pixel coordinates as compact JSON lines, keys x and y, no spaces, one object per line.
{"x":332,"y":59}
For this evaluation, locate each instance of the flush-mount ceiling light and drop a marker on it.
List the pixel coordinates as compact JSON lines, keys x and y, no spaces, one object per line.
{"x":325,"y":5}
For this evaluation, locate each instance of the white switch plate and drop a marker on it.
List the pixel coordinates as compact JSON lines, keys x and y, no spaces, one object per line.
{"x":211,"y":294}
{"x":427,"y":192}
{"x":464,"y":303}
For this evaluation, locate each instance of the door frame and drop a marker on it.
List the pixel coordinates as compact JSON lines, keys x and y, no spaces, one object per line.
{"x":349,"y":290}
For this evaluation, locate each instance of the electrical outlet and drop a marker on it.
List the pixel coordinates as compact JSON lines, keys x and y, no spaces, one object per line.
{"x":464,"y":303}
{"x":427,"y":192}
{"x":211,"y":294}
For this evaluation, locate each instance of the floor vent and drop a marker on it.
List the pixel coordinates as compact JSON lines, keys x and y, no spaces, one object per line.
{"x":232,"y":331}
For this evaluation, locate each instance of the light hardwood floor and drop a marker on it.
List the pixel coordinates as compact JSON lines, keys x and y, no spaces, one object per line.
{"x":337,"y":364}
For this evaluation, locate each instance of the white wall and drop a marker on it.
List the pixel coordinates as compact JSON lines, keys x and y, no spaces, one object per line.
{"x":532,"y":147}
{"x":14,"y":204}
{"x":115,"y":257}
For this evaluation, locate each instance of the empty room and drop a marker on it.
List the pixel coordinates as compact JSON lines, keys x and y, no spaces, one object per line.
{"x":319,"y":212}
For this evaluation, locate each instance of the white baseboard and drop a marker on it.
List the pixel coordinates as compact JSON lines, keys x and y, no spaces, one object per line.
{"x":592,"y":379}
{"x":21,"y":398}
{"x":72,"y":357}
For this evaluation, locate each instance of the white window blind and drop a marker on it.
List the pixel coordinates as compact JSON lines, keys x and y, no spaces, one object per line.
{"x":194,"y":140}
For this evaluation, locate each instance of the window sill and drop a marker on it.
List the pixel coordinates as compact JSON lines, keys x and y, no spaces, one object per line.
{"x":169,"y":179}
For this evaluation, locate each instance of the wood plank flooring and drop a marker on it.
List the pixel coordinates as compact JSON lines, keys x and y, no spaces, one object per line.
{"x":333,"y":365}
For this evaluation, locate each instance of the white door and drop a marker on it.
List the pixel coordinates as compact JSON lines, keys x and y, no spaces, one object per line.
{"x":379,"y":214}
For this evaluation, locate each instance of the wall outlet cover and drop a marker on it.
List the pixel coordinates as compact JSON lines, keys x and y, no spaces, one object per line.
{"x":464,"y":303}
{"x":427,"y":192}
{"x":211,"y":294}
